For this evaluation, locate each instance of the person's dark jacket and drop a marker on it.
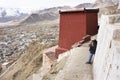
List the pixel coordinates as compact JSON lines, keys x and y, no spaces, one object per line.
{"x":93,"y":47}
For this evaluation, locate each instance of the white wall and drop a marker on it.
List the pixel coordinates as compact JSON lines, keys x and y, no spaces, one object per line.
{"x":107,"y":58}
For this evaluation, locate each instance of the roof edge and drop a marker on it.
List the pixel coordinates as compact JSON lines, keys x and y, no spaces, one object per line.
{"x":80,"y":10}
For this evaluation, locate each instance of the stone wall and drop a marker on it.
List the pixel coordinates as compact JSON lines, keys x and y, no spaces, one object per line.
{"x":107,"y":59}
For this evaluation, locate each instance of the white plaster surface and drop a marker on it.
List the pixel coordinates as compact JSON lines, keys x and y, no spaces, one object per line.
{"x":107,"y":58}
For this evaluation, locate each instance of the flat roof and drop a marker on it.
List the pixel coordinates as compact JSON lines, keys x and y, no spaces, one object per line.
{"x":80,"y":10}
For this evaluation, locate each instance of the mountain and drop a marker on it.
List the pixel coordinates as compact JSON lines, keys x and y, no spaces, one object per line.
{"x":84,"y":5}
{"x":107,"y":6}
{"x":8,"y":14}
{"x":107,"y":2}
{"x":44,"y":15}
{"x":35,"y":17}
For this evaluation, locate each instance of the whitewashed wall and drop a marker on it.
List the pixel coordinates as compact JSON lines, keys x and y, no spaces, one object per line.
{"x":107,"y":59}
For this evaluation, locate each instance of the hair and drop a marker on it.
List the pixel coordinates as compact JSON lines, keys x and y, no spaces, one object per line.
{"x":94,"y":41}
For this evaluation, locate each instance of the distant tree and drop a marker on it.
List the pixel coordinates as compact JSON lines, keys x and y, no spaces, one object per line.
{"x":3,"y":13}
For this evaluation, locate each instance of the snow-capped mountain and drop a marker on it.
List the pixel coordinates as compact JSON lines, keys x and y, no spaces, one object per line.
{"x":8,"y":14}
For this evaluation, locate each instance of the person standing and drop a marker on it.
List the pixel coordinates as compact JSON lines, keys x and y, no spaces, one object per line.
{"x":92,"y":50}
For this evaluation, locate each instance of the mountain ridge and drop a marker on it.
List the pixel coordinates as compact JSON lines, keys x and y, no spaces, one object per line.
{"x":9,"y":14}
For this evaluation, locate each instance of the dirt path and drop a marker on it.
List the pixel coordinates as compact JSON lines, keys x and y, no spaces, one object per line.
{"x":75,"y":67}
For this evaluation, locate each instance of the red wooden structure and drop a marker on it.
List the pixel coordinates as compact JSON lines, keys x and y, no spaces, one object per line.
{"x":74,"y":25}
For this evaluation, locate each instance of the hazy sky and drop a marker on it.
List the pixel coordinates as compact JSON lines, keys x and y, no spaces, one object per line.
{"x":39,"y":4}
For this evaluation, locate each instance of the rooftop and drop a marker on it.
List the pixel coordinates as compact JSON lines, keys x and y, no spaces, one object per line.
{"x":80,"y":10}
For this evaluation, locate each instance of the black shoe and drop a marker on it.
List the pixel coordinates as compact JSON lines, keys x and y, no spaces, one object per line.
{"x":88,"y":62}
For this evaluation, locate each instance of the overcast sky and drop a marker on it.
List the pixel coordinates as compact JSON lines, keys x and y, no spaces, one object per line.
{"x":29,"y":5}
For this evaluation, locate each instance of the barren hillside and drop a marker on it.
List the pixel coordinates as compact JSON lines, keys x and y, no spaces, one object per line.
{"x":28,"y":63}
